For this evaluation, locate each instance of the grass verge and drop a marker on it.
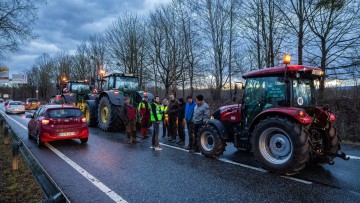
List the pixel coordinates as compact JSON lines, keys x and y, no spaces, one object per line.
{"x":19,"y":185}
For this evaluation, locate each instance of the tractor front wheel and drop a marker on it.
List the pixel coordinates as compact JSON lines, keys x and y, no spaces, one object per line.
{"x":281,"y":145}
{"x":90,"y":116}
{"x":109,"y":115}
{"x":210,"y":142}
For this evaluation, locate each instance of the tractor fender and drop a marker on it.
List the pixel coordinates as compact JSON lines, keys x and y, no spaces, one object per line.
{"x":281,"y":111}
{"x":219,"y":126}
{"x":115,"y":97}
{"x":69,"y":97}
{"x":93,"y":108}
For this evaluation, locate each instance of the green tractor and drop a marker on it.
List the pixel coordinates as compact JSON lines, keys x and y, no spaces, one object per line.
{"x":76,"y":92}
{"x":105,"y":110}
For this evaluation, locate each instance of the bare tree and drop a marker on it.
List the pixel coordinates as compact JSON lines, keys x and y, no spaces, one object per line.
{"x":336,"y":26}
{"x":16,"y":21}
{"x":126,"y":44}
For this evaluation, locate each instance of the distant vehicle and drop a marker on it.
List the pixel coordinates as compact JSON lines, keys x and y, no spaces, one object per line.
{"x":57,"y":122}
{"x":32,"y":103}
{"x":7,"y":101}
{"x":15,"y":107}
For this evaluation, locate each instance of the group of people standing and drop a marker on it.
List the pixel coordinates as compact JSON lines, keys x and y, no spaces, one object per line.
{"x":174,"y":114}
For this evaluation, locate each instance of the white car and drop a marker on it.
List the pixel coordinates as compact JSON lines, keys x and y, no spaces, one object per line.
{"x":15,"y":107}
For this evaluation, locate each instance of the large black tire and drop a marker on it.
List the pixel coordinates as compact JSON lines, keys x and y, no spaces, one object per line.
{"x":83,"y":140}
{"x":331,"y":140}
{"x":281,"y":145}
{"x":109,"y":115}
{"x":210,"y":142}
{"x":330,"y":143}
{"x":90,"y":116}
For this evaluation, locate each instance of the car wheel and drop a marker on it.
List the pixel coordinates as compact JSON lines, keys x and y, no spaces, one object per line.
{"x":83,"y":140}
{"x":29,"y":136}
{"x":39,"y":143}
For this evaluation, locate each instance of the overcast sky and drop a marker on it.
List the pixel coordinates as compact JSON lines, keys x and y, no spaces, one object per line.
{"x":63,"y":24}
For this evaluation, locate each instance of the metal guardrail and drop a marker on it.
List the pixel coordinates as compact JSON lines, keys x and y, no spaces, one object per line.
{"x":52,"y":192}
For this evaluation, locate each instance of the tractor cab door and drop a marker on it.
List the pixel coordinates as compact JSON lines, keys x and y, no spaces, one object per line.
{"x":261,"y":94}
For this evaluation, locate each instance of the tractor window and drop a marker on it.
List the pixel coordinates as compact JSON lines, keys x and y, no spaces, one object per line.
{"x":80,"y":87}
{"x":266,"y":92}
{"x":303,"y":93}
{"x":127,"y":83}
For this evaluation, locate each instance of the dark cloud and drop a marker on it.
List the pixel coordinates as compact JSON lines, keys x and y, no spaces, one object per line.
{"x":63,"y":24}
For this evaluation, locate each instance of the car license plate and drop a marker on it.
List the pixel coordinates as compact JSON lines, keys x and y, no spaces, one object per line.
{"x":16,"y":109}
{"x":67,"y":134}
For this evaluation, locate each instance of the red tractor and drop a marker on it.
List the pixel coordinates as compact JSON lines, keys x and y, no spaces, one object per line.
{"x":278,"y":120}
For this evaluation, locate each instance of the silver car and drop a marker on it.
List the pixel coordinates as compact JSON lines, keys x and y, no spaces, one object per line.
{"x":15,"y":107}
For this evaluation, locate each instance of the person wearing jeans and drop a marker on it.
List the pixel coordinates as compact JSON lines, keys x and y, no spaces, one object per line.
{"x":155,"y":118}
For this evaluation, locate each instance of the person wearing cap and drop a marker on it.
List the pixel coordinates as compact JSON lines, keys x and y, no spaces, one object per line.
{"x":180,"y":122}
{"x":165,"y":117}
{"x":129,"y":118}
{"x":156,"y":117}
{"x":172,"y":111}
{"x":201,"y":111}
{"x":189,"y":113}
{"x":144,"y":112}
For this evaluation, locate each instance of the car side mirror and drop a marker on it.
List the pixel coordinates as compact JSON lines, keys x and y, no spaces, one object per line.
{"x":29,"y":116}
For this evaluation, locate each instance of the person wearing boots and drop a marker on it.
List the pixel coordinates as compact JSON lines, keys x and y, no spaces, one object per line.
{"x":165,"y":117}
{"x":129,"y":118}
{"x":201,"y":111}
{"x":144,"y":112}
{"x":172,"y":111}
{"x":155,"y":119}
{"x":189,"y":112}
{"x":180,"y":122}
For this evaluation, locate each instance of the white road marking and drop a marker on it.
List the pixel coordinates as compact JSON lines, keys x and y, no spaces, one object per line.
{"x":353,"y":157}
{"x":83,"y":172}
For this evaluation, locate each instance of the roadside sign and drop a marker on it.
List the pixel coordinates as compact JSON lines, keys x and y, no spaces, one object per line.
{"x":4,"y":75}
{"x":19,"y":79}
{"x":5,"y":96}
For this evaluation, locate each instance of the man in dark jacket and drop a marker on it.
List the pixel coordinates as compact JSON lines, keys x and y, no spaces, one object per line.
{"x":129,"y":117}
{"x":180,"y":122}
{"x":172,"y":111}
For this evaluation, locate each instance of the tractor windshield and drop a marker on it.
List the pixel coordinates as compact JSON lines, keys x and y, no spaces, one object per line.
{"x":127,"y":83}
{"x":80,"y":87}
{"x":303,"y":93}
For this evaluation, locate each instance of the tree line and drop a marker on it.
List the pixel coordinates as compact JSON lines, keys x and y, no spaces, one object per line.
{"x":208,"y":44}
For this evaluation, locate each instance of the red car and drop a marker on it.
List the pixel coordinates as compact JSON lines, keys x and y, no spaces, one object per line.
{"x":57,"y":122}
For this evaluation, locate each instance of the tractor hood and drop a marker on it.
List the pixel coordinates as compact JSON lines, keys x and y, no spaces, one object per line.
{"x":230,"y":113}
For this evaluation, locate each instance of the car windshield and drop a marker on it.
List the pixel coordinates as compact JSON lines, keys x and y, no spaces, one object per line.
{"x":15,"y":103}
{"x":303,"y":93}
{"x":79,"y":87}
{"x":63,"y":113}
{"x":129,"y":83}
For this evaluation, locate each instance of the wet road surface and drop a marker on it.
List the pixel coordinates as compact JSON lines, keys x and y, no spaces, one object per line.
{"x":136,"y":173}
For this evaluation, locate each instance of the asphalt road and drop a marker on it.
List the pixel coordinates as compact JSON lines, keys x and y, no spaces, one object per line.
{"x":107,"y":169}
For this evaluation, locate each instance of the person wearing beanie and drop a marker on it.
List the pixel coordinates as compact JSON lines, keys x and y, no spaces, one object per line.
{"x":201,"y":111}
{"x":189,"y":112}
{"x":180,"y":122}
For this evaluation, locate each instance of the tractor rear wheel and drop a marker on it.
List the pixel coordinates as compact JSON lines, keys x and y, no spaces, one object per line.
{"x":281,"y":145}
{"x":90,"y":116}
{"x":109,"y":115}
{"x":210,"y":143}
{"x":330,"y":143}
